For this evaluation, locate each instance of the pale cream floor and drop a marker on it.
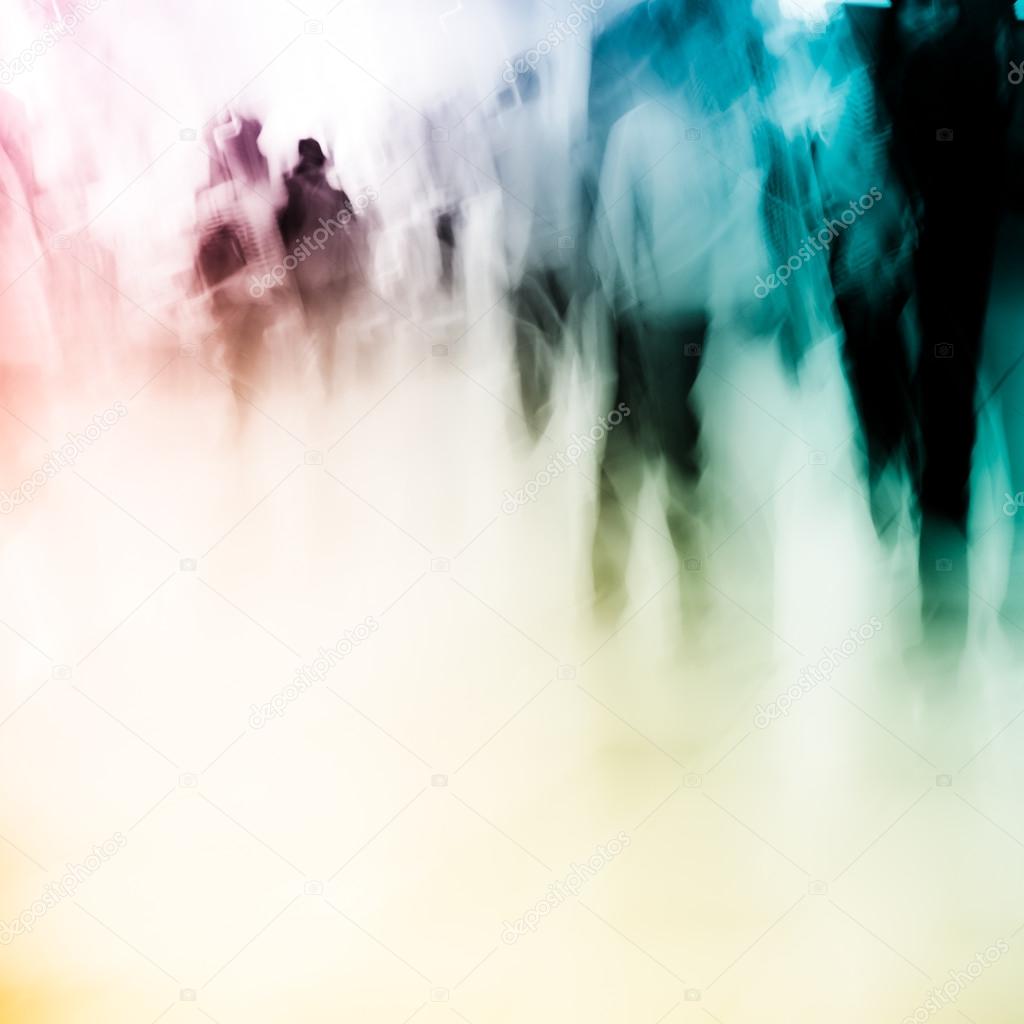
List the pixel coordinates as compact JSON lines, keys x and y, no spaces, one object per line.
{"x":358,"y":858}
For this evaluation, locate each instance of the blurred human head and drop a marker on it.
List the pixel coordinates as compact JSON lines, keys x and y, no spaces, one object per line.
{"x":922,"y":20}
{"x":716,"y":46}
{"x":311,"y":154}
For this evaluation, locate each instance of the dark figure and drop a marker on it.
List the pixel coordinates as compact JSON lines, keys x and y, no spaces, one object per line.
{"x":657,"y":363}
{"x":316,"y":226}
{"x":444,"y":227}
{"x":788,"y":216}
{"x":878,"y":371}
{"x":949,"y":133}
{"x":447,"y":182}
{"x":540,"y":305}
{"x":870,"y":265}
{"x":533,"y":161}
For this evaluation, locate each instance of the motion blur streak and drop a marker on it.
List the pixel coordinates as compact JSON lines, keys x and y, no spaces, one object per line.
{"x":511,"y":510}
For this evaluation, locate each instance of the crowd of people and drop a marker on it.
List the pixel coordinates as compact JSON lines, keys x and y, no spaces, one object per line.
{"x":853,"y":160}
{"x":689,"y":168}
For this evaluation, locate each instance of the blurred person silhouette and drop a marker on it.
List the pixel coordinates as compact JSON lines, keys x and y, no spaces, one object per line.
{"x":662,"y":220}
{"x":318,"y":228}
{"x":870,"y":265}
{"x":783,"y":106}
{"x":770,"y":84}
{"x":540,"y":200}
{"x":447,"y":198}
{"x":949,"y":145}
{"x":455,"y":179}
{"x":238,"y":251}
{"x":445,"y":224}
